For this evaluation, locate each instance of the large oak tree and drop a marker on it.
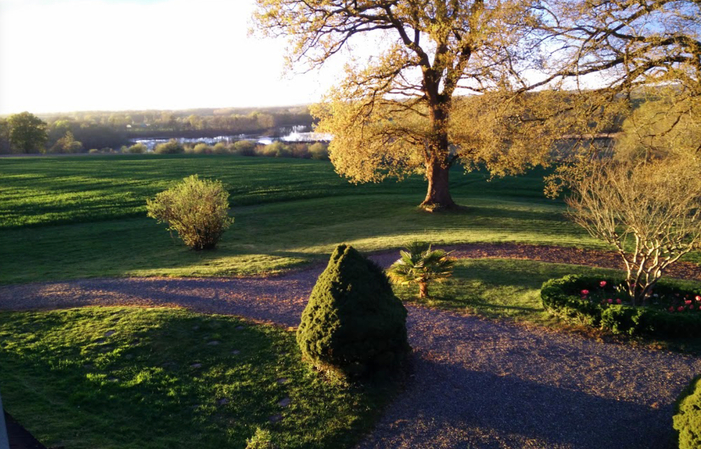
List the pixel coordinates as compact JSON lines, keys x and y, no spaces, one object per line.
{"x":401,"y":111}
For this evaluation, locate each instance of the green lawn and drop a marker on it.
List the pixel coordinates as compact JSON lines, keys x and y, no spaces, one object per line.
{"x":497,"y":288}
{"x":153,"y":378}
{"x":510,"y":289}
{"x":129,"y":378}
{"x":74,"y":217}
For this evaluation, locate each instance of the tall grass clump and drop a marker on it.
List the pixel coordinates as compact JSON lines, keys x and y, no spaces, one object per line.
{"x":197,"y":209}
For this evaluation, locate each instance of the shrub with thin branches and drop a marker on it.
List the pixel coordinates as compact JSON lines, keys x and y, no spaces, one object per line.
{"x":197,"y":209}
{"x":649,"y":211}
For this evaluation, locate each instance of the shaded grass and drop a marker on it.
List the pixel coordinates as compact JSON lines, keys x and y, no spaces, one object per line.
{"x":128,"y":378}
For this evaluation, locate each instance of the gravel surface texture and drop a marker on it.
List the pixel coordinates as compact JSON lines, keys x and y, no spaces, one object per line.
{"x":475,"y":383}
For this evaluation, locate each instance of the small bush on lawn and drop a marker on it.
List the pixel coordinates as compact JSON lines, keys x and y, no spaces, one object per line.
{"x":262,"y":439}
{"x":319,"y":151}
{"x":197,"y":209}
{"x":137,"y":148}
{"x":353,"y":324}
{"x":170,"y":147}
{"x":244,"y":148}
{"x":221,"y":148}
{"x":687,"y":416}
{"x":276,"y":149}
{"x":202,"y":148}
{"x":606,"y":303}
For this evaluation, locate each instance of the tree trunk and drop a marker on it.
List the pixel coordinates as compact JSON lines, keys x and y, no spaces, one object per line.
{"x":438,"y":196}
{"x":423,"y":290}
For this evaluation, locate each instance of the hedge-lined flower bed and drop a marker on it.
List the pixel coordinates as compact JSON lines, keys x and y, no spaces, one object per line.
{"x":605,"y":303}
{"x":687,"y":416}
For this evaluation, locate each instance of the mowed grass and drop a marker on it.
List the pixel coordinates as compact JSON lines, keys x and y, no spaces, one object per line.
{"x":509,"y":289}
{"x":75,"y":217}
{"x":497,"y":288}
{"x":162,"y":378}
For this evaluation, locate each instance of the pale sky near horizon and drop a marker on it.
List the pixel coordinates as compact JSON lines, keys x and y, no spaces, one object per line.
{"x":88,"y":55}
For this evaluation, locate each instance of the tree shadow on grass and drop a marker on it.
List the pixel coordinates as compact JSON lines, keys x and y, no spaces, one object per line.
{"x":450,"y":406}
{"x":167,"y":378}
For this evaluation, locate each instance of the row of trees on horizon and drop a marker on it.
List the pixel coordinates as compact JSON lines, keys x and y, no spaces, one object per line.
{"x":81,"y":131}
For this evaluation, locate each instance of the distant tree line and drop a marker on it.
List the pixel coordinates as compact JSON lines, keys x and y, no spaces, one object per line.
{"x":300,"y":150}
{"x":82,"y":131}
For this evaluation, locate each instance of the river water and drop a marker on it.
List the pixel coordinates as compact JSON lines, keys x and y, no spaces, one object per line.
{"x":292,"y":134}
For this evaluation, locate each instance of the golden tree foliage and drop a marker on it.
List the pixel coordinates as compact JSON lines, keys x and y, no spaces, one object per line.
{"x":448,"y":80}
{"x":667,"y":126}
{"x":400,"y":112}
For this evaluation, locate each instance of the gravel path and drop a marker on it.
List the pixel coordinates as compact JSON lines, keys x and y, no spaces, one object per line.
{"x":475,"y":383}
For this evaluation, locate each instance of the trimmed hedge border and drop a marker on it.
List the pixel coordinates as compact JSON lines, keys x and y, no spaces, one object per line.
{"x":687,"y":416}
{"x":561,"y":298}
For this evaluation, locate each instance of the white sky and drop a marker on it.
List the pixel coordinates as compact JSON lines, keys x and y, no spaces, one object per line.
{"x":78,"y":55}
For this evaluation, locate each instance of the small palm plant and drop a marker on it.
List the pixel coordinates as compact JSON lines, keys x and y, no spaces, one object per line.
{"x":420,"y":265}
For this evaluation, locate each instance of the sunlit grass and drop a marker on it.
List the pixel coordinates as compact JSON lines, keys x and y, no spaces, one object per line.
{"x":162,"y":378}
{"x":509,"y":290}
{"x":73,"y":217}
{"x":498,"y":288}
{"x":274,"y":237}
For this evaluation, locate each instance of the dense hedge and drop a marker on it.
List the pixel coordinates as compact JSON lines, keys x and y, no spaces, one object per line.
{"x":562,"y":297}
{"x":353,"y":324}
{"x":687,"y":416}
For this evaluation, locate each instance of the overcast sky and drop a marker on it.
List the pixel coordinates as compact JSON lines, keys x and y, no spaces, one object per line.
{"x":77,"y":55}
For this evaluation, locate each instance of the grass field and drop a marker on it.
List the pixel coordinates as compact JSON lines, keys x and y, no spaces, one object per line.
{"x":152,"y":378}
{"x":107,"y":377}
{"x":73,"y":217}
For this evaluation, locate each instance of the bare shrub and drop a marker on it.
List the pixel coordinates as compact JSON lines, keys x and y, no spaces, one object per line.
{"x":649,"y":211}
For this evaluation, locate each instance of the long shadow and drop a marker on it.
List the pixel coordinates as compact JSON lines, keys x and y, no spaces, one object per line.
{"x":449,"y":406}
{"x":517,"y":273}
{"x":262,"y":299}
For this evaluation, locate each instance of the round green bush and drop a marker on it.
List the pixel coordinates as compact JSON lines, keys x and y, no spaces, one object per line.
{"x":197,"y":209}
{"x":672,"y":312}
{"x":353,"y":325}
{"x":687,"y":417}
{"x":170,"y":147}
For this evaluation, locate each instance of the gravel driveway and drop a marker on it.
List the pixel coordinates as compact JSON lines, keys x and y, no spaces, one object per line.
{"x":475,"y":383}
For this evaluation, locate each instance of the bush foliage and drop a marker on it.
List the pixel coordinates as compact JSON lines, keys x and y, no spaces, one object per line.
{"x":170,"y":147}
{"x":563,"y":298}
{"x":687,"y":416}
{"x":197,"y":209}
{"x":353,"y":325}
{"x":421,"y":265}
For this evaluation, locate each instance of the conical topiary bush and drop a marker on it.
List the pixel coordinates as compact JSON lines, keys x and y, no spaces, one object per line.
{"x":353,"y":323}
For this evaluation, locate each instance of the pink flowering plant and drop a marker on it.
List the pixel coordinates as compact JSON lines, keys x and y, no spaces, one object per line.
{"x":670,"y":309}
{"x":607,"y":292}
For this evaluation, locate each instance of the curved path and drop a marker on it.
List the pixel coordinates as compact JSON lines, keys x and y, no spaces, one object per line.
{"x":475,"y":383}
